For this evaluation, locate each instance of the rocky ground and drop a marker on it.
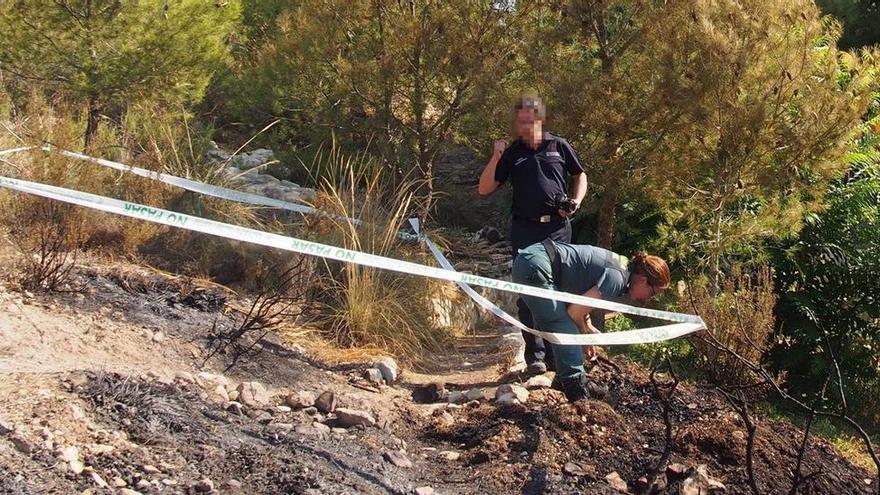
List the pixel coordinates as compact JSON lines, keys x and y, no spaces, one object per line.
{"x":107,"y":391}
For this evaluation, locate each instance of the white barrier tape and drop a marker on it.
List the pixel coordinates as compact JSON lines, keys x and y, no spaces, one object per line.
{"x":198,"y":224}
{"x":207,"y":189}
{"x":15,"y":150}
{"x":645,"y":336}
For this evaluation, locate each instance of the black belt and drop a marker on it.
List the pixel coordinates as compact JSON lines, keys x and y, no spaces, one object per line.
{"x":552,"y":218}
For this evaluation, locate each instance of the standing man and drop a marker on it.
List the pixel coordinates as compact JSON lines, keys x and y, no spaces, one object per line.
{"x":537,"y":164}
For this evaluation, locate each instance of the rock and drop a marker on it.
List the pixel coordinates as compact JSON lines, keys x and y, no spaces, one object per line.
{"x":129,"y":491}
{"x":143,"y":485}
{"x":616,"y":482}
{"x":220,"y":393}
{"x":279,"y":428}
{"x":428,"y":393}
{"x":5,"y":428}
{"x":443,"y":419}
{"x":209,"y":381}
{"x":456,"y":397}
{"x":69,"y":454}
{"x":489,"y":234}
{"x":22,"y":444}
{"x":539,"y":381}
{"x":676,"y":472}
{"x":352,"y":417}
{"x":397,"y":458}
{"x":262,"y":417}
{"x":253,"y":394}
{"x":578,"y":469}
{"x":253,"y":159}
{"x":99,"y":480}
{"x":150,"y":469}
{"x":388,"y":367}
{"x":326,"y":402}
{"x":119,"y":482}
{"x":76,"y":466}
{"x":232,"y":484}
{"x":311,"y":411}
{"x":475,"y":394}
{"x":232,"y":394}
{"x":78,"y":379}
{"x":450,"y":455}
{"x":234,"y":408}
{"x":520,"y":393}
{"x":184,"y":377}
{"x":373,"y":375}
{"x":300,"y":400}
{"x":507,"y":400}
{"x":700,"y":483}
{"x":283,"y":409}
{"x":158,"y":337}
{"x":424,"y":490}
{"x":315,"y":429}
{"x":204,"y":485}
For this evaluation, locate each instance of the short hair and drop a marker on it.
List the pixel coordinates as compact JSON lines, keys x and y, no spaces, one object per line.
{"x":533,"y":103}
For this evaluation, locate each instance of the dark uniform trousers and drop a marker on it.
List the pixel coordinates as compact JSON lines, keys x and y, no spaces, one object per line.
{"x":524,"y":233}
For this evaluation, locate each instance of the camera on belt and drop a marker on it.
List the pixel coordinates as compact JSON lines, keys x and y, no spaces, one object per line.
{"x":564,"y":203}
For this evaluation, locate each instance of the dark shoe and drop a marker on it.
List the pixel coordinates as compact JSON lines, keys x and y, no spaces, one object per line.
{"x":575,"y":388}
{"x":536,"y":368}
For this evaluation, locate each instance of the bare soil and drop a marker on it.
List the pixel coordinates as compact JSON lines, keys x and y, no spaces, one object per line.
{"x":101,"y":371}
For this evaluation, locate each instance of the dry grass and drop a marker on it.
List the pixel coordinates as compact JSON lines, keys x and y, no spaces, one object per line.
{"x":365,"y":307}
{"x":741,"y":317}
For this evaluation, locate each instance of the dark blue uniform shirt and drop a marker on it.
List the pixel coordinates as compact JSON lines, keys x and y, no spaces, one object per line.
{"x":537,"y":176}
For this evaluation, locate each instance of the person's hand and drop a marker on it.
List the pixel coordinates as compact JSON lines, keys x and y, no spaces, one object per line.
{"x":499,"y":147}
{"x":566,"y":214}
{"x":590,"y":352}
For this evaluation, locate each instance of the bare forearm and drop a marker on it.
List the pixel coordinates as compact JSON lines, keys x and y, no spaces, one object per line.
{"x":579,"y":188}
{"x":488,"y":185}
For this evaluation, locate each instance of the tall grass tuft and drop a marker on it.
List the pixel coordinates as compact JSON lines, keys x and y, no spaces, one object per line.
{"x":364,"y":306}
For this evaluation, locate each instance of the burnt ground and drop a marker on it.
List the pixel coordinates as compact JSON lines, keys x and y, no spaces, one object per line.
{"x":88,"y":371}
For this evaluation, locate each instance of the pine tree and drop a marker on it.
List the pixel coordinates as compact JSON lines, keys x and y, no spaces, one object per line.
{"x":108,"y":53}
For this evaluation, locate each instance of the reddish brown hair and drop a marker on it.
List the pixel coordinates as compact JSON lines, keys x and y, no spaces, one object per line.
{"x":652,"y":267}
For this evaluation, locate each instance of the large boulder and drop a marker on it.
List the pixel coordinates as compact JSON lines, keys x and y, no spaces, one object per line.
{"x":253,"y":394}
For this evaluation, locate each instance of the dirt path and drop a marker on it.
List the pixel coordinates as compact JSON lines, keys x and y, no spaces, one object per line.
{"x":105,"y":391}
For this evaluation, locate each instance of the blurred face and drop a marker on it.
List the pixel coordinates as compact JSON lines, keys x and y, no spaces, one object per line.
{"x":640,"y":290}
{"x":527,"y":126}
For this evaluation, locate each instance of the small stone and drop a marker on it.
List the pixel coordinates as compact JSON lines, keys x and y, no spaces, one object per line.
{"x":428,"y":393}
{"x":5,"y":428}
{"x":76,"y":466}
{"x":283,"y":409}
{"x":262,"y":417}
{"x":326,"y":402}
{"x":253,"y":394}
{"x":158,"y":337}
{"x":143,"y":485}
{"x":352,"y":417}
{"x":119,"y":482}
{"x":99,"y":480}
{"x":300,"y":400}
{"x":444,"y":419}
{"x":449,"y":455}
{"x":388,"y":367}
{"x":22,"y":444}
{"x":424,"y":490}
{"x":99,"y":449}
{"x":279,"y":428}
{"x":69,"y":454}
{"x":539,"y":381}
{"x":373,"y":375}
{"x":616,"y":482}
{"x":184,"y":377}
{"x":399,"y":459}
{"x":507,"y":400}
{"x":220,"y":393}
{"x":232,"y":394}
{"x":456,"y":397}
{"x":77,"y":380}
{"x":77,"y":413}
{"x":234,"y":408}
{"x":232,"y":484}
{"x":520,"y":393}
{"x":475,"y":394}
{"x":311,"y":411}
{"x":150,"y":469}
{"x":578,"y":469}
{"x":128,"y":491}
{"x":204,"y":485}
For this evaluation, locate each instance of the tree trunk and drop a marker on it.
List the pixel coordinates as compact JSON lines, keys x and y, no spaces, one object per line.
{"x":94,"y":117}
{"x":610,"y":198}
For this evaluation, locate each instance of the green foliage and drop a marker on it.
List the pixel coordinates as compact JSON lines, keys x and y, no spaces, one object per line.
{"x":860,"y":18}
{"x":828,"y":282}
{"x":108,"y":53}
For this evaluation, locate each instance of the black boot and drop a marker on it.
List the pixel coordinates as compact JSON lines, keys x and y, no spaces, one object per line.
{"x":574,"y":388}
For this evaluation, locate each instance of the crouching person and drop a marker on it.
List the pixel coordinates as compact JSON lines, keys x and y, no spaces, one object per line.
{"x":589,"y":271}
